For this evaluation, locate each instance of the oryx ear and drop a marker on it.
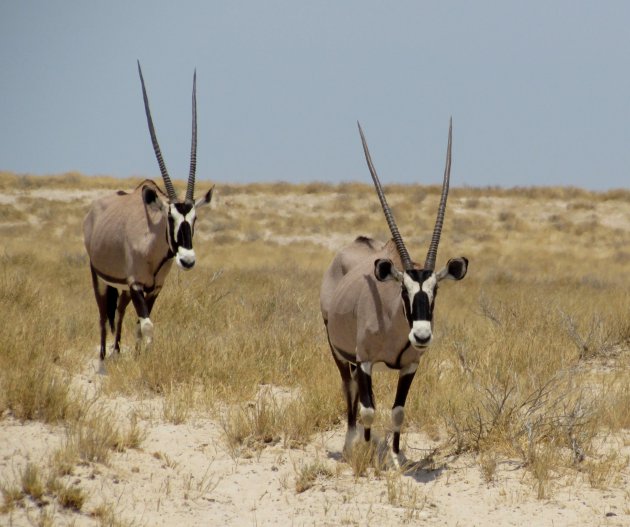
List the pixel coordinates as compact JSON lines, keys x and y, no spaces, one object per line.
{"x":384,"y":270}
{"x":206,"y":199}
{"x":455,"y":269}
{"x":153,"y":201}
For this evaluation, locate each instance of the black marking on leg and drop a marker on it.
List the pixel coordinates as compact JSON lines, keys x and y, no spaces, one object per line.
{"x":404,"y":383}
{"x":139,"y":302}
{"x":366,"y":396}
{"x":151,"y":298}
{"x":396,"y":443}
{"x":112,"y":299}
{"x":123,"y":302}
{"x":402,"y":390}
{"x":347,"y":380}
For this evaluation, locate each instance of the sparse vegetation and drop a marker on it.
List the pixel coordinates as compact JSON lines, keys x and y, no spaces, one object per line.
{"x":531,"y":359}
{"x":308,"y":474}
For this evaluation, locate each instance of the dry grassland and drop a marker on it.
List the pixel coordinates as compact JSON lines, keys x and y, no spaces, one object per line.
{"x":527,"y":385}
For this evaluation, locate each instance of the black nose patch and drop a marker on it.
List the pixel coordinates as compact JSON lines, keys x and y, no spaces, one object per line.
{"x":184,"y":236}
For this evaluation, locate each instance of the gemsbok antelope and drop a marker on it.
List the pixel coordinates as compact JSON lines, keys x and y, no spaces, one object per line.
{"x":132,"y":239}
{"x":377,"y":306}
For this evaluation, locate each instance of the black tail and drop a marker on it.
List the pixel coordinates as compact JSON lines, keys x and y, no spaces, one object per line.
{"x":112,"y":301}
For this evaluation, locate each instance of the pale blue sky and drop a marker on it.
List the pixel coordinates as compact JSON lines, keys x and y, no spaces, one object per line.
{"x":539,"y":91}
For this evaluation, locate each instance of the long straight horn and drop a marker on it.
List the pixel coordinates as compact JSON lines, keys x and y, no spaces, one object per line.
{"x":190,"y":190}
{"x":402,"y":250}
{"x":439,"y":221}
{"x":172,"y":196}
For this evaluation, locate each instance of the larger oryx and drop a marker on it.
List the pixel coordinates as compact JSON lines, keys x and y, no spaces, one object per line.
{"x":132,"y":239}
{"x":377,"y":306}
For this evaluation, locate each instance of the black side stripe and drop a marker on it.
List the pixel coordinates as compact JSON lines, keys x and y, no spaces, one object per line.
{"x":400,"y":354}
{"x":123,"y":281}
{"x":108,"y":278}
{"x":349,"y":357}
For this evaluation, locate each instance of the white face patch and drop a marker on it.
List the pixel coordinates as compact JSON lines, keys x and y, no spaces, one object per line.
{"x":411,"y":286}
{"x":428,"y":286}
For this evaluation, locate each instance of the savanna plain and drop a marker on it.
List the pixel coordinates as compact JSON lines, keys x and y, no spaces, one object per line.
{"x":519,"y":413}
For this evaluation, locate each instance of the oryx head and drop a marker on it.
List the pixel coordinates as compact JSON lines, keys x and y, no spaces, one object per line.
{"x":418,"y":286}
{"x":180,"y":214}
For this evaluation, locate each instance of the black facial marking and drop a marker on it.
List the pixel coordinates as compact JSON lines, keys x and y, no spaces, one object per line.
{"x":418,"y":308}
{"x":406,"y":305}
{"x":421,"y":309}
{"x":171,"y":234}
{"x":183,"y":208}
{"x":184,"y":236}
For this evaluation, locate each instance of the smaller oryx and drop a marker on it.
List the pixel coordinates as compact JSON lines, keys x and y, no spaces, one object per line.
{"x":132,"y":238}
{"x":377,"y":306}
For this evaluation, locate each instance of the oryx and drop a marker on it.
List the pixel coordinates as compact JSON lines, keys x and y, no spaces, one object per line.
{"x":377,"y":306}
{"x":132,"y":239}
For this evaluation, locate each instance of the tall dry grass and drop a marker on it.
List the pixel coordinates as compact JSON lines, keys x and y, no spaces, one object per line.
{"x":530,"y":361}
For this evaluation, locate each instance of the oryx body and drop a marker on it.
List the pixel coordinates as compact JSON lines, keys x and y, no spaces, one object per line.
{"x":132,"y":239}
{"x":353,"y":295}
{"x":377,"y":306}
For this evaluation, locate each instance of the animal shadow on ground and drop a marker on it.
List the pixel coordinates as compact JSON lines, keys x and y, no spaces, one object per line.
{"x":424,"y":470}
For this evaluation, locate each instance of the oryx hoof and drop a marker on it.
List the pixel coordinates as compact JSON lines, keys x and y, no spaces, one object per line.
{"x":351,"y":437}
{"x":146,"y":328}
{"x":398,"y":461}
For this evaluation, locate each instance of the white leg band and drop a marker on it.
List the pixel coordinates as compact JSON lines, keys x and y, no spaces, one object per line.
{"x":398,"y":416}
{"x":367,"y":415}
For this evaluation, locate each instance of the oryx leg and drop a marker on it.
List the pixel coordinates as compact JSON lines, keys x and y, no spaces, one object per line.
{"x":350,"y":392}
{"x":123,"y":302}
{"x":100,"y":292}
{"x":366,"y":397}
{"x":145,"y":326}
{"x":151,"y":298}
{"x":405,"y":377}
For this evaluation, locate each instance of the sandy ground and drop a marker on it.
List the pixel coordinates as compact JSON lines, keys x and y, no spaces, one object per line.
{"x":184,"y":475}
